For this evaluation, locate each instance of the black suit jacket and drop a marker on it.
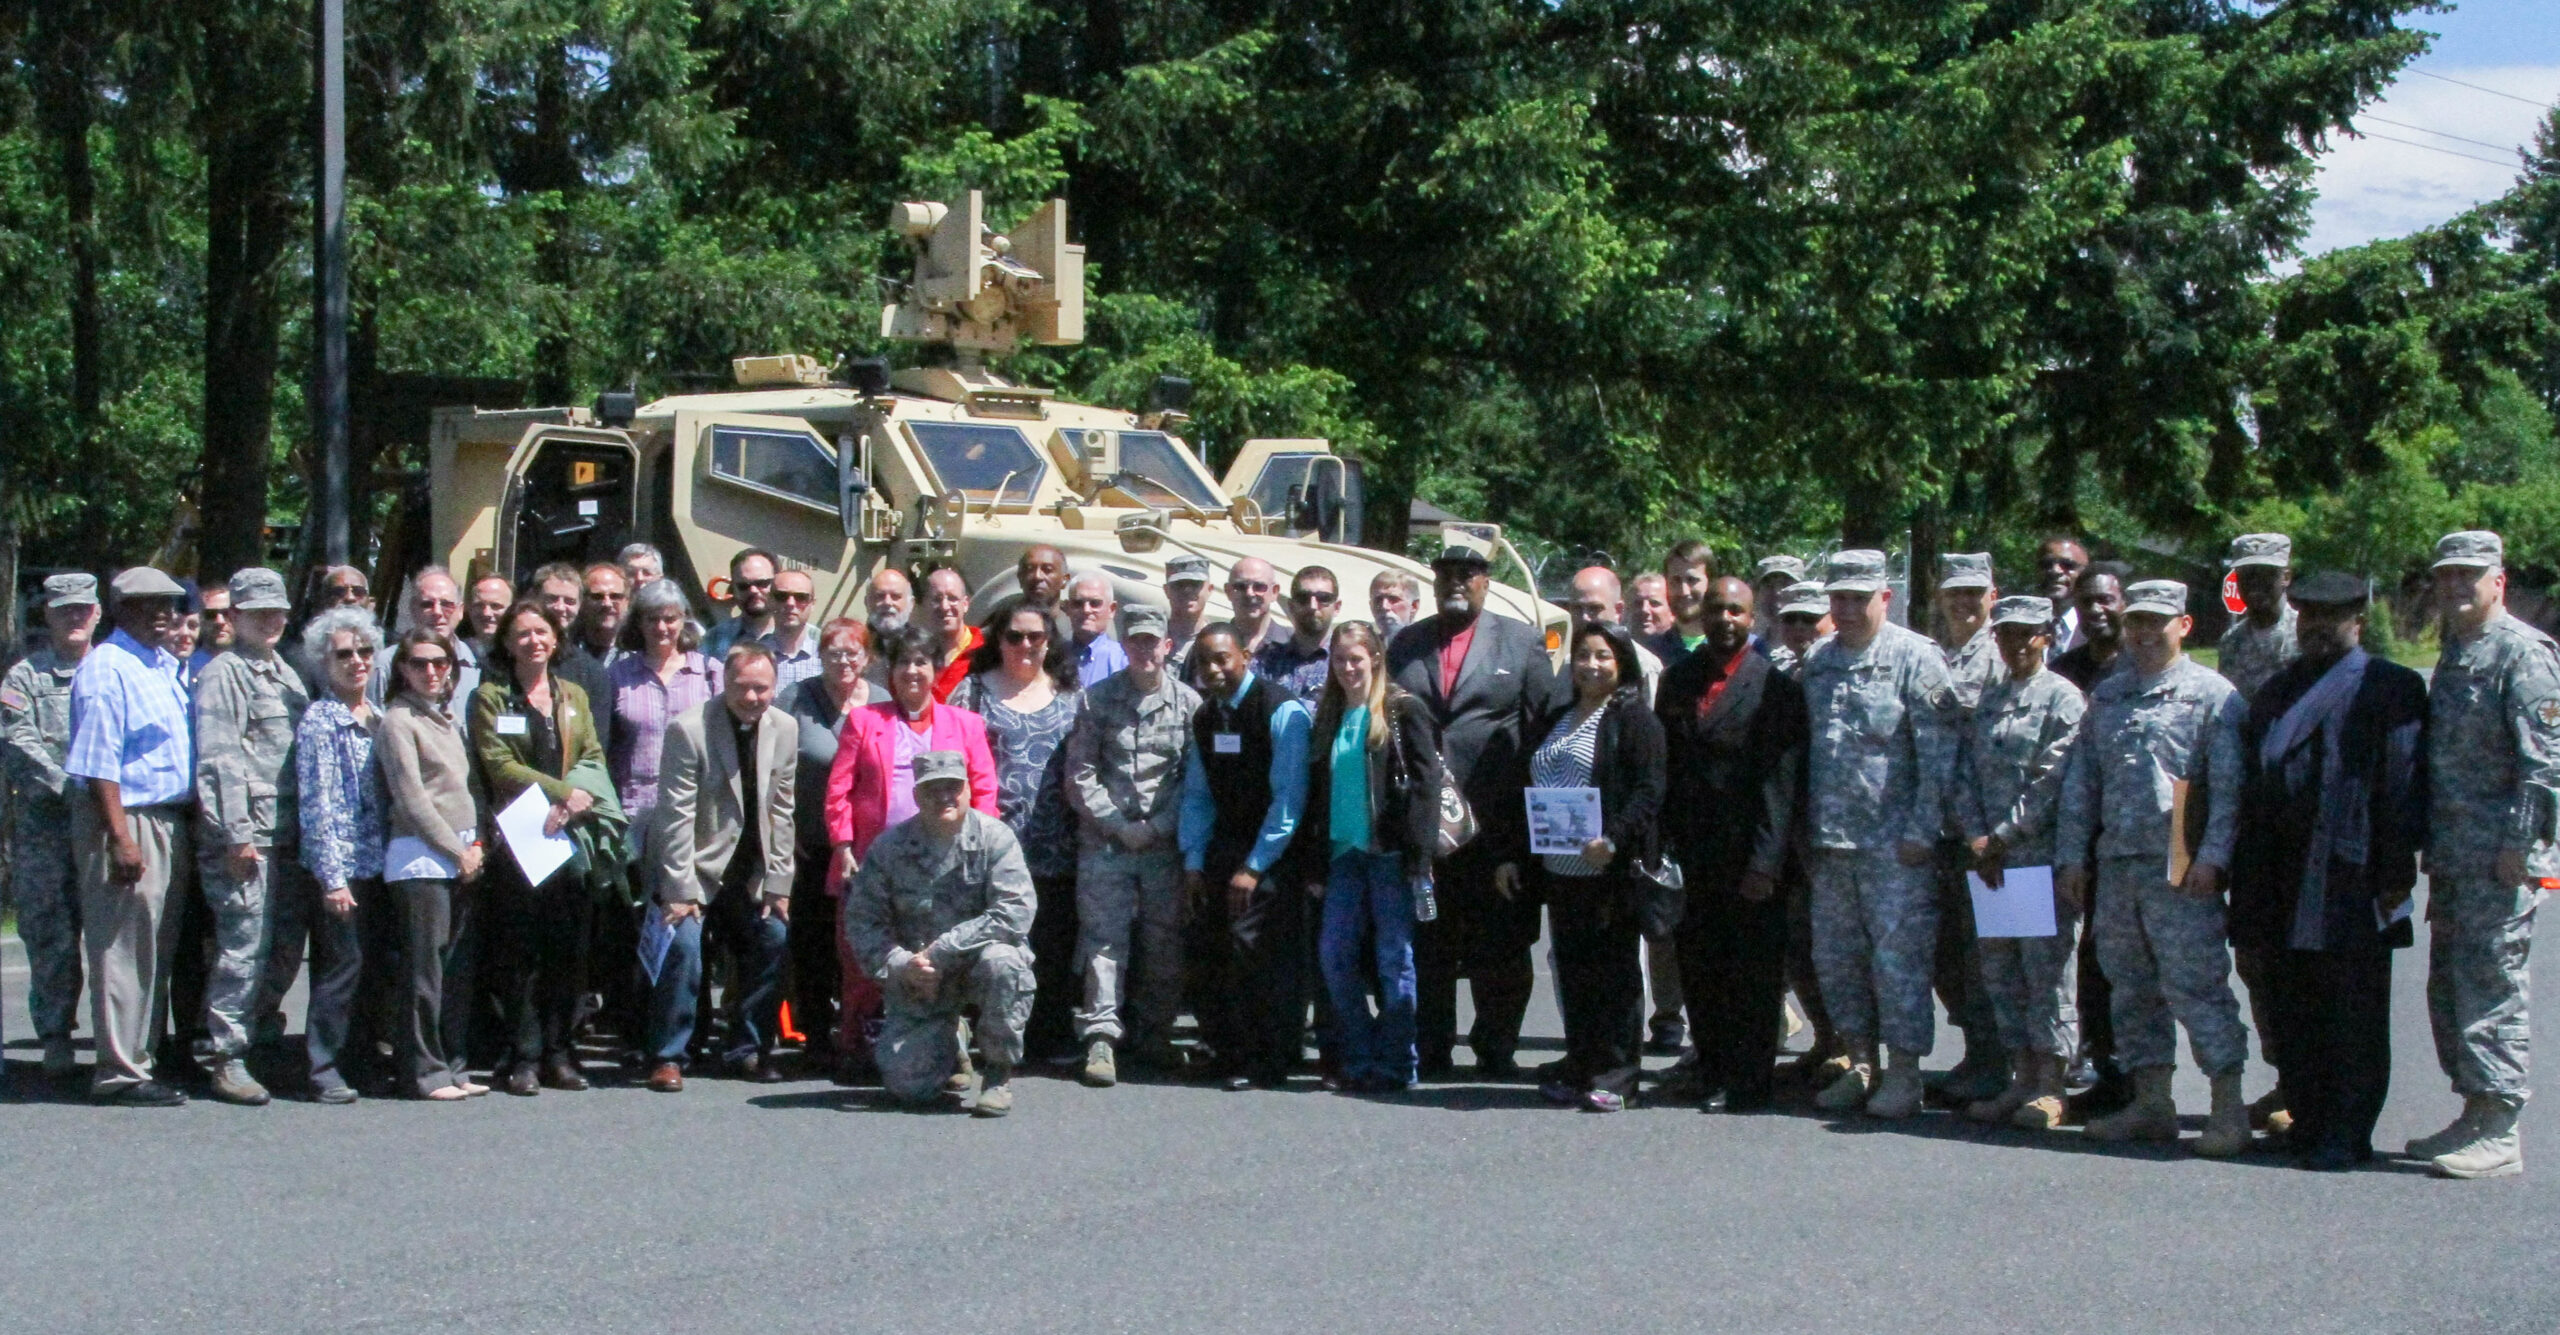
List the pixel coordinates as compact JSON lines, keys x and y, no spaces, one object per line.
{"x":1736,"y":771}
{"x":1626,"y":766}
{"x":1506,"y":685}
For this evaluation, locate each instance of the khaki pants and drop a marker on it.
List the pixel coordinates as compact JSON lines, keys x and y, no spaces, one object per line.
{"x":130,"y":936}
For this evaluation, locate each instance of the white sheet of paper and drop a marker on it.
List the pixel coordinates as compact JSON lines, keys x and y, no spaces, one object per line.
{"x":2022,"y":906}
{"x":1562,"y":820}
{"x":520,"y":825}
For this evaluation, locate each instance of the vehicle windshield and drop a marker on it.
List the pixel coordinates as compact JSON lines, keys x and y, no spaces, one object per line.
{"x":1156,"y":469}
{"x":977,"y":459}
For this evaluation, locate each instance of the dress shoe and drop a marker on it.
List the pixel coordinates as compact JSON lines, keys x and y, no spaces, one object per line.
{"x":1670,"y":1036}
{"x":60,"y":1063}
{"x":147,"y":1094}
{"x":562,"y":1073}
{"x":667,"y":1078}
{"x":523,"y":1082}
{"x":1497,"y":1066}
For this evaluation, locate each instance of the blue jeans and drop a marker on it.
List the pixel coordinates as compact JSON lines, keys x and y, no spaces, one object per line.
{"x":1366,"y":893}
{"x":756,"y":943}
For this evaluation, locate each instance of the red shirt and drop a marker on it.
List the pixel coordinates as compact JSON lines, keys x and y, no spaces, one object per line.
{"x":957,"y":671}
{"x":1453,"y":655}
{"x":1724,"y":674}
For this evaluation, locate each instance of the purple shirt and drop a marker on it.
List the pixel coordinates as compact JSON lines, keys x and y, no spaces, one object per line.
{"x":642,"y":707}
{"x":902,"y":775}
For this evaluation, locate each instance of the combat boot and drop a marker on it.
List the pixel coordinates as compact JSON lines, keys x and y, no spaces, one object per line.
{"x":2493,"y":1151}
{"x":2457,"y":1133}
{"x":1850,"y":1091}
{"x":232,"y":1083}
{"x":2226,"y":1128}
{"x":995,"y":1097}
{"x":1100,"y":1070}
{"x":2004,"y":1105}
{"x":966,"y":1073}
{"x":1898,"y":1094}
{"x":2153,"y":1114}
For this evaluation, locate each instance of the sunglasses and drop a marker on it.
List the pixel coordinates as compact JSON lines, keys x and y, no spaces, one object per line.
{"x":222,"y":613}
{"x":755,"y":584}
{"x":1026,"y":637}
{"x":352,"y":655}
{"x":793,"y":596}
{"x":439,"y":662}
{"x":1314,"y":597}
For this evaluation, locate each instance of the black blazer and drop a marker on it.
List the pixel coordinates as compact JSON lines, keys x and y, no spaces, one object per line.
{"x":1626,"y":766}
{"x":1506,"y":685}
{"x":2276,"y":825}
{"x":1407,"y":824}
{"x":1736,"y":773}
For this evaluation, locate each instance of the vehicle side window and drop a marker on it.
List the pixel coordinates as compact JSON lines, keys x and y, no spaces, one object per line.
{"x":778,"y":463}
{"x":1283,"y":471}
{"x":976,"y":459}
{"x":1152,"y":455}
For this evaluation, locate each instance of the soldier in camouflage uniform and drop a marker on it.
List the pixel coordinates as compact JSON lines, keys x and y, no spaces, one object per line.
{"x":2155,"y":735}
{"x":2011,"y":778}
{"x":2494,"y":774}
{"x":35,"y":714}
{"x":1881,"y":712}
{"x":2254,"y":648}
{"x":248,"y":703}
{"x":1965,"y":590}
{"x":1124,"y":779}
{"x":940,"y":913}
{"x":1803,"y":619}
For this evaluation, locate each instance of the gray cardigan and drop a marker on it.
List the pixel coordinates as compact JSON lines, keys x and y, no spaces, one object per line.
{"x":427,"y":768}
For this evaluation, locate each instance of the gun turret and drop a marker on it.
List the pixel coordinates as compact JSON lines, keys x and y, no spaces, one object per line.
{"x":981,"y":292}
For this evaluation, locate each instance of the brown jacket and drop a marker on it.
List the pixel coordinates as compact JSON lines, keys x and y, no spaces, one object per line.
{"x":427,"y":771}
{"x":700,"y":814}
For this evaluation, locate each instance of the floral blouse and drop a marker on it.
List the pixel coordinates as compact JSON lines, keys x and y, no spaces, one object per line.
{"x":344,"y":811}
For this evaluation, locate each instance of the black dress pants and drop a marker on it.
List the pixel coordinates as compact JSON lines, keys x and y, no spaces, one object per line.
{"x":815,"y":978}
{"x":1051,"y":1031}
{"x":541,"y":960}
{"x":1484,"y":938}
{"x":1251,"y":971}
{"x":1599,"y":977}
{"x":2332,"y":1012}
{"x":1733,"y":969}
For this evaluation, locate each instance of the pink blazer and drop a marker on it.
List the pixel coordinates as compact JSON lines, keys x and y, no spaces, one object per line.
{"x":866,"y":754}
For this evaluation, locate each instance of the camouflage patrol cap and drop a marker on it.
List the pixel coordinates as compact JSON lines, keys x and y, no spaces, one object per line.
{"x":73,"y":589}
{"x":258,"y":589}
{"x":2261,"y":549}
{"x":941,"y":766}
{"x":1142,"y":619}
{"x":2160,"y":597}
{"x":2471,"y":547}
{"x":1804,"y":598}
{"x":1858,"y":570}
{"x":1187,"y":569}
{"x":1790,"y":566}
{"x":2023,"y":609}
{"x":1965,"y":570}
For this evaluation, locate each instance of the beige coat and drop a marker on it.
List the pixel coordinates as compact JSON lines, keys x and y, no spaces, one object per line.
{"x":699,"y":815}
{"x":426,"y":767}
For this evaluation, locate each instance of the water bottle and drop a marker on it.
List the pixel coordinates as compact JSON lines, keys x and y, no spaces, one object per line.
{"x":1426,"y":904}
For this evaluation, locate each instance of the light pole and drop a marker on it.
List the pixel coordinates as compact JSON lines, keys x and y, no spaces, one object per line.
{"x":329,"y":280}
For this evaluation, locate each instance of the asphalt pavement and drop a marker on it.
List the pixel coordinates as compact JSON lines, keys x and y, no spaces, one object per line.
{"x":1474,"y":1207}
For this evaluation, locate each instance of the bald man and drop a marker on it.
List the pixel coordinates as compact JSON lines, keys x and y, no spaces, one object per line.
{"x":1598,"y":599}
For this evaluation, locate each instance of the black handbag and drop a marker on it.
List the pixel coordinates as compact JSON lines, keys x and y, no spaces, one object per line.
{"x":1662,"y":894}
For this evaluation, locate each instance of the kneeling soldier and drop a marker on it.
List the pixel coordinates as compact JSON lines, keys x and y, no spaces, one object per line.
{"x":939,"y":913}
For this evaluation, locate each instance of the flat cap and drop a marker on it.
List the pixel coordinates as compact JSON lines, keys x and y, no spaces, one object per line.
{"x":1187,"y":568}
{"x":1142,"y":619}
{"x":937,"y":766}
{"x":73,"y":589}
{"x":1790,"y":566}
{"x":2261,"y":549}
{"x":1460,"y":547}
{"x":1965,"y":570}
{"x":2329,"y":588}
{"x":2471,"y":547}
{"x":258,"y":589}
{"x":145,"y":582}
{"x":1858,"y":570}
{"x":2023,"y":609}
{"x":1804,"y":597}
{"x":2162,"y":597}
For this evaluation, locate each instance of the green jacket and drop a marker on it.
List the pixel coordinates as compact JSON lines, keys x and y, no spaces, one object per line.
{"x":507,"y":769}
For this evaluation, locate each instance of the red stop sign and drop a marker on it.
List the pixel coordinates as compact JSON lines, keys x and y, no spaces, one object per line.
{"x":2231,"y":600}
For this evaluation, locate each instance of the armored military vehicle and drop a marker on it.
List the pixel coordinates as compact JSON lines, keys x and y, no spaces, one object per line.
{"x":843,"y":470}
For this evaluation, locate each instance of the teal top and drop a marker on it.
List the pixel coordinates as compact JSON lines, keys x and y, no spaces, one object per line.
{"x":1348,"y":798}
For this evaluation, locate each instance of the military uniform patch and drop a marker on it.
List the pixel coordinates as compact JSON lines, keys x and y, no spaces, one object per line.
{"x":2548,"y":712}
{"x":12,"y":698}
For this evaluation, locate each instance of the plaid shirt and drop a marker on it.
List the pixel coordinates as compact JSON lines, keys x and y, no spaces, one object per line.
{"x":131,"y":724}
{"x":343,"y":811}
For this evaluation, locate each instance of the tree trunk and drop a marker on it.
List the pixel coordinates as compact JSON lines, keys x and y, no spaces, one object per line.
{"x":555,"y":171}
{"x":66,"y":105}
{"x":250,"y":222}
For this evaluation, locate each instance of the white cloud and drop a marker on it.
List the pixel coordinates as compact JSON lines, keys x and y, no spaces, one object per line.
{"x":2373,"y":187}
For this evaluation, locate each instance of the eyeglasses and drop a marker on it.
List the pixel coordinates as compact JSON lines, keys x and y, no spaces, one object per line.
{"x":352,"y":654}
{"x":1026,"y":637}
{"x":794,"y":596}
{"x":1315,"y":597}
{"x":438,"y":605}
{"x":841,"y":656}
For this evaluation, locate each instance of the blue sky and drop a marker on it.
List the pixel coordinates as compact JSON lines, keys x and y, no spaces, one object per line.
{"x":2434,"y":146}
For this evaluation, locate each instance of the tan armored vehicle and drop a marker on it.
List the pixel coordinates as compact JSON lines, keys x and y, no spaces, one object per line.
{"x":948,"y":464}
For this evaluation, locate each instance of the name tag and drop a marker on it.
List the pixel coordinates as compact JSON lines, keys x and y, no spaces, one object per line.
{"x":511,"y":725}
{"x":1226,"y":743}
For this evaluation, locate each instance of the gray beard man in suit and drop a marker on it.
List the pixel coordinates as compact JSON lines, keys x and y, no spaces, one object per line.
{"x":1484,"y":678}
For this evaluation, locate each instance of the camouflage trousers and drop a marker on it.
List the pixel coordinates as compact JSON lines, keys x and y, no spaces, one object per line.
{"x":919,"y":1045}
{"x":1119,"y":893}
{"x":2479,"y":940}
{"x":1875,"y":941}
{"x":2167,"y":956}
{"x":248,"y":913}
{"x":2034,"y":987}
{"x":45,"y":885}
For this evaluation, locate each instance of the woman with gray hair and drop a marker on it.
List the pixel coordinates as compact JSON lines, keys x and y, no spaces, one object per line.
{"x":342,"y":833}
{"x":665,"y":674}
